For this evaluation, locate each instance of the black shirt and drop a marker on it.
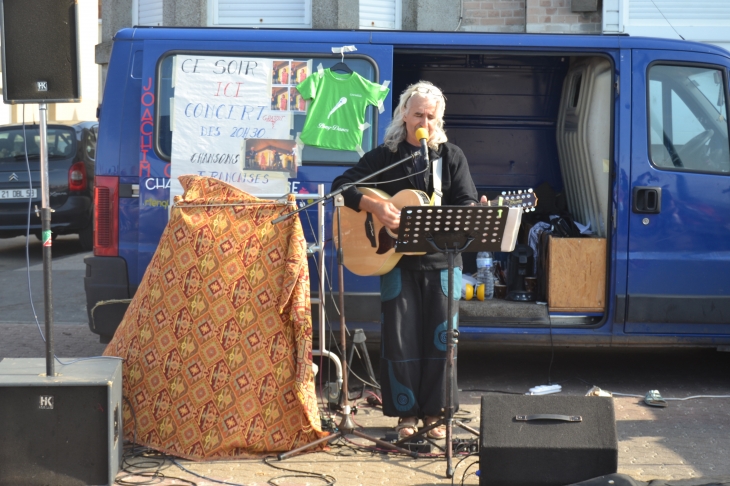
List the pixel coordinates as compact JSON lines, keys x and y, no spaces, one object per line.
{"x":456,"y":185}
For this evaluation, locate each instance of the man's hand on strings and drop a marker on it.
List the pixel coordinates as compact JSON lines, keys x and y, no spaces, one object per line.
{"x":483,"y":200}
{"x":385,"y":211}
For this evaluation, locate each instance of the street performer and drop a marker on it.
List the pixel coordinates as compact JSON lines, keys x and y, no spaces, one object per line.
{"x":414,"y":294}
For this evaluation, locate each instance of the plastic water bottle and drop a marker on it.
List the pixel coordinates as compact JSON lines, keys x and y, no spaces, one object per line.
{"x":485,"y":273}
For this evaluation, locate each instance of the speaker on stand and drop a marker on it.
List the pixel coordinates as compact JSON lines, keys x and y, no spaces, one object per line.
{"x":40,"y":51}
{"x":55,"y":428}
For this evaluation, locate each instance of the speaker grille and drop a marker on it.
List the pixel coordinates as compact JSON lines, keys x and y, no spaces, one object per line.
{"x":54,"y":435}
{"x":40,"y":53}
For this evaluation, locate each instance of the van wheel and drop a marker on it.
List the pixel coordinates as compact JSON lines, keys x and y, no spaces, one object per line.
{"x":86,"y":238}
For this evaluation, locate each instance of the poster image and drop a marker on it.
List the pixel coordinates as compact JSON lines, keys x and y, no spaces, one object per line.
{"x":270,"y":155}
{"x":219,"y":103}
{"x":296,"y":102}
{"x":281,"y":73}
{"x":280,"y":99}
{"x":299,"y":71}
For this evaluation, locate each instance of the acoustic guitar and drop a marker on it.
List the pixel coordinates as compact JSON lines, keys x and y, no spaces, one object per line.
{"x":369,"y":246}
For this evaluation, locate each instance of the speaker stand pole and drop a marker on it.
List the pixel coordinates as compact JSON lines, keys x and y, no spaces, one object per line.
{"x":46,"y":239}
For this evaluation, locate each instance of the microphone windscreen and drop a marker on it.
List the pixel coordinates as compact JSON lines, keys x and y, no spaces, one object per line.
{"x":421,"y":133}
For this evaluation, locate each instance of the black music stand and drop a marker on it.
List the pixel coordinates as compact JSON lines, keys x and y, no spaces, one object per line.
{"x":450,"y":230}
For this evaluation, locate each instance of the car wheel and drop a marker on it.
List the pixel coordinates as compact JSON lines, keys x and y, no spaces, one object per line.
{"x":86,"y":238}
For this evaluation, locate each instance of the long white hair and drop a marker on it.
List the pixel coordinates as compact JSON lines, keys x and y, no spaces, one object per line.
{"x":396,"y":131}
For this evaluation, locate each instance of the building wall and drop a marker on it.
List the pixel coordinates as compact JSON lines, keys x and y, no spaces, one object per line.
{"x":555,"y":16}
{"x":535,"y":16}
{"x":707,"y":21}
{"x":494,"y":16}
{"x":417,"y":15}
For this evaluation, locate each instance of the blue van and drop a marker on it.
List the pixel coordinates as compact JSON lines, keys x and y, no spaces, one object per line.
{"x":629,"y":134}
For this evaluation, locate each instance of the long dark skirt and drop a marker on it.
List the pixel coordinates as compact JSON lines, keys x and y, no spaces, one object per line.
{"x":413,"y":341}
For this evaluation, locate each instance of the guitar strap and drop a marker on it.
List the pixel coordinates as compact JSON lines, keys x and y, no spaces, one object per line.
{"x":437,"y":168}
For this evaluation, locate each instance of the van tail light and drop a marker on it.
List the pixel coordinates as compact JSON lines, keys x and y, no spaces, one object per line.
{"x":106,"y":216}
{"x":77,"y":179}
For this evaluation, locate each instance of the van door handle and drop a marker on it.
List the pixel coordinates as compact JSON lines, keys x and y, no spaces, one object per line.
{"x":647,"y":200}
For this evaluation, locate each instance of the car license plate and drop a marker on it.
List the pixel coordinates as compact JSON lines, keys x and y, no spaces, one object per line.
{"x":18,"y":193}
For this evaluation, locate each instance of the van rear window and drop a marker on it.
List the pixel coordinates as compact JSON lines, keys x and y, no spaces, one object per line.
{"x":61,"y":143}
{"x":285,"y":101}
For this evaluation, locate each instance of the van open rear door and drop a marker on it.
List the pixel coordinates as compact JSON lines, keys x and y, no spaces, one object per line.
{"x":678,"y":258}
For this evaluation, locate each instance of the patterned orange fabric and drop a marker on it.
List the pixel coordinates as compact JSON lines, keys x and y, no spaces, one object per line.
{"x":218,"y":339}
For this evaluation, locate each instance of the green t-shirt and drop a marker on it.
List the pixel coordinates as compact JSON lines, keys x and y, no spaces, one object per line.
{"x":337,"y":113}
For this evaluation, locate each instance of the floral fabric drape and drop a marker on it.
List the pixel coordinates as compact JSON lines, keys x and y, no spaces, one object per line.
{"x":217,"y":340}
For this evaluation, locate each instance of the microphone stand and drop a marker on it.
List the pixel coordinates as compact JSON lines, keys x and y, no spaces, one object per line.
{"x":332,"y":194}
{"x":347,"y":424}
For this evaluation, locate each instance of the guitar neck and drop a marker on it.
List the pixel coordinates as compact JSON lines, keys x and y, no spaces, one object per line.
{"x":524,"y":198}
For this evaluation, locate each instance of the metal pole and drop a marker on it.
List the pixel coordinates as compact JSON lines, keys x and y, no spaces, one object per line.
{"x":47,"y":240}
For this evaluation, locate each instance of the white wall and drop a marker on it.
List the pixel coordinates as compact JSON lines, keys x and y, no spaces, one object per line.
{"x":707,"y":21}
{"x":88,"y":33}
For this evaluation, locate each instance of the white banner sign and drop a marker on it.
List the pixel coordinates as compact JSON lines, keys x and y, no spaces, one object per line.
{"x":221,"y":103}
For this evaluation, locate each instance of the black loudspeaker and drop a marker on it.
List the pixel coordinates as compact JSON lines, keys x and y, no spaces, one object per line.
{"x":613,"y":480}
{"x":40,"y":51}
{"x":546,"y":440}
{"x":62,"y":431}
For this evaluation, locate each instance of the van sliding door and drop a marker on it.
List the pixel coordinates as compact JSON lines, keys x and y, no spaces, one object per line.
{"x":679,"y":256}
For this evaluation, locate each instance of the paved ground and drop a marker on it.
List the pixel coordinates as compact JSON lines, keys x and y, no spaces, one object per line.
{"x":688,"y":440}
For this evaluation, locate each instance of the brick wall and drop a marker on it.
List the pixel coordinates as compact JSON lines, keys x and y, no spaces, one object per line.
{"x":494,"y":16}
{"x":540,"y":15}
{"x":556,"y":16}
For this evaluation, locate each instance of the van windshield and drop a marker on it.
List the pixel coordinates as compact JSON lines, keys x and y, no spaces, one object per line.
{"x":13,"y":143}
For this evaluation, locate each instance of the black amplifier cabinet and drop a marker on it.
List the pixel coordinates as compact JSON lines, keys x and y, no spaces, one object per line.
{"x":63,"y":430}
{"x":547,"y":440}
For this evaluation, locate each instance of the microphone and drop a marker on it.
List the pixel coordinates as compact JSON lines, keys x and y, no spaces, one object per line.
{"x":422,"y":136}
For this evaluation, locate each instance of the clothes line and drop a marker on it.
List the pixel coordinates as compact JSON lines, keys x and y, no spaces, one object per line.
{"x":275,"y":199}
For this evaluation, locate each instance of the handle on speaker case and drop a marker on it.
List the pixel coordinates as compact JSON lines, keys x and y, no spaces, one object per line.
{"x":549,"y":416}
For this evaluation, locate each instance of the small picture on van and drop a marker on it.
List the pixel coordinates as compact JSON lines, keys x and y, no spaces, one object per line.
{"x":270,"y":155}
{"x":280,"y":74}
{"x":280,"y":99}
{"x":299,"y":71}
{"x":296,"y":101}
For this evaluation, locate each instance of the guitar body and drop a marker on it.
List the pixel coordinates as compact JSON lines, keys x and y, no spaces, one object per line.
{"x":368,"y":247}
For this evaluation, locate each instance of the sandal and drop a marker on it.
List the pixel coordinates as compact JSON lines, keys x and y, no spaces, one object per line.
{"x":437,"y":432}
{"x":407,"y":426}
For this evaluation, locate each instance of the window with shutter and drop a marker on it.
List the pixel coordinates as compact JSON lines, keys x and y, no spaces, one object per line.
{"x":705,"y":21}
{"x":380,"y":14}
{"x":263,"y":13}
{"x":675,"y":10}
{"x":149,"y":12}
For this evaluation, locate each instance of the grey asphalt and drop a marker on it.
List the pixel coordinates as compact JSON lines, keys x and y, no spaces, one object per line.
{"x":688,"y":442}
